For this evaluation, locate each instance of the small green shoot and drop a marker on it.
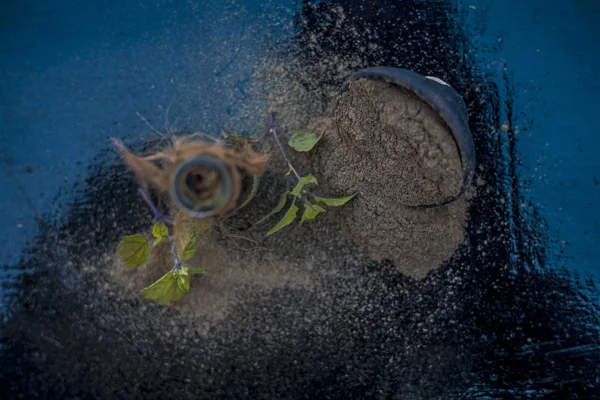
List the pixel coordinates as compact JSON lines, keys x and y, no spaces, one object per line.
{"x":301,"y":142}
{"x":310,"y":210}
{"x":191,"y":229}
{"x":133,"y":250}
{"x":160,"y":231}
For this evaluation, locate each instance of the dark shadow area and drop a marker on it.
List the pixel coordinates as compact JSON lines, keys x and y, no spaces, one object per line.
{"x":492,"y":322}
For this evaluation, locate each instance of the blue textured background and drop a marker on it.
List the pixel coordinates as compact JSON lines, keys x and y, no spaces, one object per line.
{"x":73,"y":74}
{"x":549,"y":50}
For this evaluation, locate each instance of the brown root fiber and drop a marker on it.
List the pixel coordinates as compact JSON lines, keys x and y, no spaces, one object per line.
{"x":396,"y":152}
{"x":238,"y":161}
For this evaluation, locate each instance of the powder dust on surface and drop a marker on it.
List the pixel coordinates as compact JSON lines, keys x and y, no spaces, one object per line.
{"x":241,"y":263}
{"x":306,"y":312}
{"x":396,"y":152}
{"x":379,"y":141}
{"x":230,"y":271}
{"x":309,"y":293}
{"x":391,"y":148}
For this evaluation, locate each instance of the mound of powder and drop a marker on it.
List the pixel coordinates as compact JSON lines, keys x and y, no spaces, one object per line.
{"x":396,"y":152}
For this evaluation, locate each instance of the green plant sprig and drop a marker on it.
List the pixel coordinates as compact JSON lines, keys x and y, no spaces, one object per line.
{"x":313,"y":204}
{"x":134,"y":251}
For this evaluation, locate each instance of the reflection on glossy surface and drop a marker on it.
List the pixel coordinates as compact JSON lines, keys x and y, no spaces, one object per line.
{"x":202,"y":186}
{"x":494,"y":322}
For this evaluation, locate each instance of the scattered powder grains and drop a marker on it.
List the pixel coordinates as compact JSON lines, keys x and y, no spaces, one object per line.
{"x":396,"y":152}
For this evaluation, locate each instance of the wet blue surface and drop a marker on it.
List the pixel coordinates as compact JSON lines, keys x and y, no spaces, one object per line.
{"x":549,"y":51}
{"x":73,"y":74}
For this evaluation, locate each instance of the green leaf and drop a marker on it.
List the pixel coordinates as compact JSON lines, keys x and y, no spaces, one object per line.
{"x":252,"y":194}
{"x":334,"y":202}
{"x":159,"y":231}
{"x":304,"y":141}
{"x":289,"y":172}
{"x":171,"y":287}
{"x":196,"y":270}
{"x":287,"y":219}
{"x":191,"y":229}
{"x":183,"y":280}
{"x":311,"y":211}
{"x":304,"y":181}
{"x":278,"y":208}
{"x":190,"y":249}
{"x":133,"y":250}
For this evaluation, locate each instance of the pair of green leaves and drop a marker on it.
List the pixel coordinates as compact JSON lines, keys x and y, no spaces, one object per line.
{"x":172,"y":286}
{"x":134,"y":250}
{"x":310,"y":210}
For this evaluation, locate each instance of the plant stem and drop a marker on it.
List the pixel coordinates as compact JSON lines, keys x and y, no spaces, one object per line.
{"x":264,"y":135}
{"x":284,"y":133}
{"x":285,"y":157}
{"x":178,"y":264}
{"x":275,"y":130}
{"x":280,"y":131}
{"x":159,"y":217}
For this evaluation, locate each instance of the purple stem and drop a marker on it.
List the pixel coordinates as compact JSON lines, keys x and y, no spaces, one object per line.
{"x":285,"y":157}
{"x":178,"y":264}
{"x":263,"y":136}
{"x":271,"y":120}
{"x":157,"y":215}
{"x":284,"y":133}
{"x":278,"y":129}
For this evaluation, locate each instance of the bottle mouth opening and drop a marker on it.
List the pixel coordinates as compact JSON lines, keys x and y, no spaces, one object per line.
{"x":202,"y":186}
